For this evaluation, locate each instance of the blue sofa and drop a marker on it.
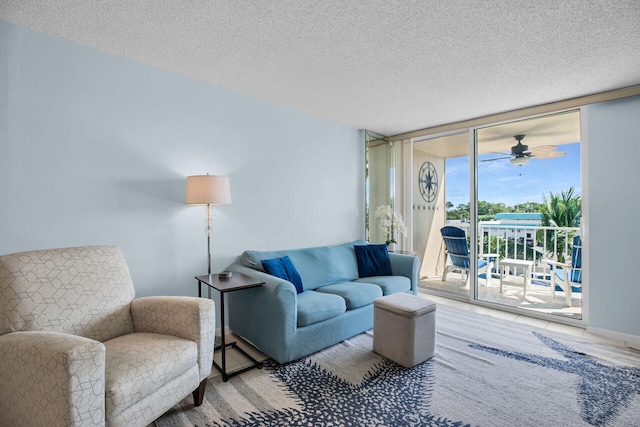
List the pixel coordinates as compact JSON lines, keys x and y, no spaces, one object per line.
{"x":336,"y":303}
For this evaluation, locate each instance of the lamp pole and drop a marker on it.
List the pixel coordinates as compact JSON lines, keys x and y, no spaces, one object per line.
{"x":209,"y":212}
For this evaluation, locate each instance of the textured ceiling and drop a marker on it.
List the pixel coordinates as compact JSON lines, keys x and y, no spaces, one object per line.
{"x":384,"y":65}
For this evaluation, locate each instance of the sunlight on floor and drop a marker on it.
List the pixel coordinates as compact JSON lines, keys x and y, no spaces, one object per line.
{"x":538,"y":297}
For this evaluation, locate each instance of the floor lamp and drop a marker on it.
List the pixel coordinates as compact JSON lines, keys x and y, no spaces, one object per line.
{"x":208,"y":190}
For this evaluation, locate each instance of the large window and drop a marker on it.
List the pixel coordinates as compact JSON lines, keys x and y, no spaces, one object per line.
{"x":514,"y":190}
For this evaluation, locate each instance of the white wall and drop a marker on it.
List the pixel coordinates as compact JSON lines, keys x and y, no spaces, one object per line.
{"x":613,"y":207}
{"x":94,"y":149}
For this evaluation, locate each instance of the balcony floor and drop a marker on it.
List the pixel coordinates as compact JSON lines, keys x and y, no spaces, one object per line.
{"x":538,"y":297}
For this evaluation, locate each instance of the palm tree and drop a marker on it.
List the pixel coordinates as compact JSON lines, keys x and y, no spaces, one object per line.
{"x":561,"y":210}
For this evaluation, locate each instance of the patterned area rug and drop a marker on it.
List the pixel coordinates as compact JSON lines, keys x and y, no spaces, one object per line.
{"x":486,"y":372}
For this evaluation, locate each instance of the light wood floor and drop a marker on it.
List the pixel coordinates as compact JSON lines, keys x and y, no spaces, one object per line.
{"x":518,"y":318}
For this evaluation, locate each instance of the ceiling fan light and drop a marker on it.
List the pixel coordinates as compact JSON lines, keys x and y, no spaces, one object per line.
{"x":519,"y":161}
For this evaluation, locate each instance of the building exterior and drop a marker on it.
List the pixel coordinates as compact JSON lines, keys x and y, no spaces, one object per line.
{"x":516,"y":225}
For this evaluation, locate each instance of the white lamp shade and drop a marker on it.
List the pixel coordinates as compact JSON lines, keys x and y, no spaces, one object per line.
{"x":519,"y":161}
{"x":208,"y":190}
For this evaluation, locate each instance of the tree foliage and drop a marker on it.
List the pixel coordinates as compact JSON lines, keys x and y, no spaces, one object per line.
{"x":562,"y":210}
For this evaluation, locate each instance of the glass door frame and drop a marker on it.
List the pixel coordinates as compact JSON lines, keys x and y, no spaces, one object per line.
{"x":473,"y":231}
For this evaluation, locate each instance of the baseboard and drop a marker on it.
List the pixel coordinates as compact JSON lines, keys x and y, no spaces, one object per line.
{"x":629,"y":340}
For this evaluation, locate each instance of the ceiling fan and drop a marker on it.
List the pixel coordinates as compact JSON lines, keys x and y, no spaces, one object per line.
{"x":520,"y":153}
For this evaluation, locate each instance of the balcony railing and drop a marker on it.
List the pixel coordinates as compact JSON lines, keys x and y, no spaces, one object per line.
{"x":527,"y":242}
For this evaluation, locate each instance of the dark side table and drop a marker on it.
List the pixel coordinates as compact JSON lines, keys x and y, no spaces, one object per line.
{"x":237,"y":282}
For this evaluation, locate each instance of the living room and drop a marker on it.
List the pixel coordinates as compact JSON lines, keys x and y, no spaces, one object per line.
{"x":95,"y":148}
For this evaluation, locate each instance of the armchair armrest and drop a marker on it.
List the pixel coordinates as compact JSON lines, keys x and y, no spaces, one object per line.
{"x":47,"y":377}
{"x":185,"y":317}
{"x":564,"y":278}
{"x":556,"y":263}
{"x":406,"y":265}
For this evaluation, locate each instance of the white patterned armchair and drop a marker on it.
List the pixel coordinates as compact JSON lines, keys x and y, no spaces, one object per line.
{"x":76,"y":348}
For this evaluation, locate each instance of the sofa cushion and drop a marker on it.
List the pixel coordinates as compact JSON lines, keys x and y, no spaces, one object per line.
{"x":389,"y":284}
{"x":373,"y":260}
{"x":139,"y":364}
{"x":284,"y":269}
{"x":356,"y":295}
{"x":314,"y":307}
{"x":318,"y":266}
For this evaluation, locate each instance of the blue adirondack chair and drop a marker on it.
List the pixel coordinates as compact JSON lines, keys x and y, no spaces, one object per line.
{"x":567,"y":276}
{"x":457,"y":249}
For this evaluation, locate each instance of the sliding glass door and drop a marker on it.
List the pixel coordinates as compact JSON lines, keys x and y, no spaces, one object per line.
{"x":440,"y":198}
{"x":529,"y":211}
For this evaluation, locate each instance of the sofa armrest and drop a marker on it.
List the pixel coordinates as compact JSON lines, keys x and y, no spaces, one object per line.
{"x":185,"y":317}
{"x":267,"y":315}
{"x":406,"y":265}
{"x":47,"y":377}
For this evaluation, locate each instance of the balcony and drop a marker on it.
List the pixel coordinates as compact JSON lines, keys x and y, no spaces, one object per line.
{"x":535,"y":244}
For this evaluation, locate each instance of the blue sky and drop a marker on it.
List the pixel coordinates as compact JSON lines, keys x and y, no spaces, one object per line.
{"x":501,"y":182}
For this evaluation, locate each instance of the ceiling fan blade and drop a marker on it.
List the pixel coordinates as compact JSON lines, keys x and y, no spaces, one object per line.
{"x":491,"y":160}
{"x":549,"y":155}
{"x":543,"y":148}
{"x":546,"y":152}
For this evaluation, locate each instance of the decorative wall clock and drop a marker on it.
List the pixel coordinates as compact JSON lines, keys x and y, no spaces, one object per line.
{"x":428,"y":182}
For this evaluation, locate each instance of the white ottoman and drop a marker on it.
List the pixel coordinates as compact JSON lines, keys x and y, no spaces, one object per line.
{"x":404,"y":328}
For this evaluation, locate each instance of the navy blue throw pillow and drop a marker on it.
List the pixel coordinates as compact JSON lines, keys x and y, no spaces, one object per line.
{"x":373,"y":260}
{"x":274,"y":267}
{"x":284,"y":269}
